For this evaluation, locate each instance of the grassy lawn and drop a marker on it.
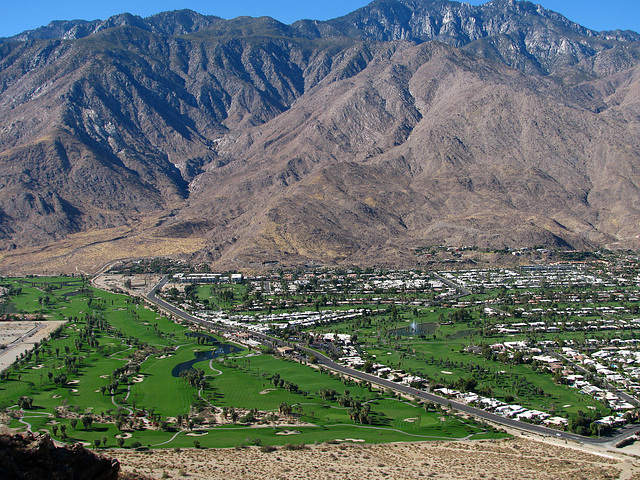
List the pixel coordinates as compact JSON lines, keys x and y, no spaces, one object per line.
{"x":106,"y":331}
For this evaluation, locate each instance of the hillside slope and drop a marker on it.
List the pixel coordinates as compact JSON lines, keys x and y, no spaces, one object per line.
{"x":245,"y":141}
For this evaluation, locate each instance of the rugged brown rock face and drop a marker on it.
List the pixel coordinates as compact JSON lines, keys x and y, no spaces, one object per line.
{"x":23,"y":456}
{"x":353,"y":140}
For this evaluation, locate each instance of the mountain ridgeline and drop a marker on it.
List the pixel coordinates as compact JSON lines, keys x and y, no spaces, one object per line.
{"x":246,"y":141}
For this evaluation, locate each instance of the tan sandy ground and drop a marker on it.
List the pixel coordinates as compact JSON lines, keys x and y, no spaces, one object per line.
{"x":140,"y":284}
{"x":517,"y":458}
{"x":87,"y":252}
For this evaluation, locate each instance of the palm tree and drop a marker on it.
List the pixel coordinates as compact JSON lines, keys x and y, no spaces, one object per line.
{"x":87,"y":420}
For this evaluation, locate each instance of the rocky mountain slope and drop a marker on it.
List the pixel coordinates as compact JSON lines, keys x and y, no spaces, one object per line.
{"x":244,"y":141}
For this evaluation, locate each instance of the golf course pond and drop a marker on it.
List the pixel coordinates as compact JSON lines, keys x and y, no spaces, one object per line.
{"x":222,"y":349}
{"x":416,"y":329}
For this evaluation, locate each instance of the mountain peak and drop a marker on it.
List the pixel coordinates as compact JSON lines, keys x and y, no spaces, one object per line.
{"x":252,"y":141}
{"x":502,"y":3}
{"x":176,"y":22}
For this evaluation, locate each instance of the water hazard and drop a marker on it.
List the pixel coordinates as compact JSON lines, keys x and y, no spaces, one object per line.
{"x":416,"y":329}
{"x":223,"y":349}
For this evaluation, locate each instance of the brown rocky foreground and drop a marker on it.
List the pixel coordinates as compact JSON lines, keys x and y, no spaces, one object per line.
{"x":516,"y":458}
{"x":31,"y":456}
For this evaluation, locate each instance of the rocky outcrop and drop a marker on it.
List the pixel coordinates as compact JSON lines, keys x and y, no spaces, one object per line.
{"x":29,"y":457}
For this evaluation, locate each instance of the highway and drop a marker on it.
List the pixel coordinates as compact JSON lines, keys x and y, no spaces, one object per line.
{"x":328,"y":363}
{"x":476,"y":412}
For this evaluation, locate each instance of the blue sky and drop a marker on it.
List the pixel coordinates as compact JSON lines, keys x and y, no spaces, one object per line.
{"x":18,"y":16}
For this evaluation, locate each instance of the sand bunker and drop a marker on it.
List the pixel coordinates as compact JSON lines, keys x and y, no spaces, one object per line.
{"x":358,"y":440}
{"x":267,"y":390}
{"x":446,"y":373}
{"x":74,"y":390}
{"x":411,"y":420}
{"x":74,"y":382}
{"x":56,"y":396}
{"x":124,"y":435}
{"x":197,"y":434}
{"x":38,"y":367}
{"x":288,"y":432}
{"x":138,"y":379}
{"x":105,"y":376}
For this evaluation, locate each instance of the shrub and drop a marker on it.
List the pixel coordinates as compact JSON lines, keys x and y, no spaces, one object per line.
{"x":292,"y":446}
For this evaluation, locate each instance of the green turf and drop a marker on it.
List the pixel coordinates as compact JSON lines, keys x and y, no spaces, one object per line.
{"x":237,"y":380}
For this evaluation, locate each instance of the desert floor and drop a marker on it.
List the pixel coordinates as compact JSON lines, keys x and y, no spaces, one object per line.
{"x":519,"y":458}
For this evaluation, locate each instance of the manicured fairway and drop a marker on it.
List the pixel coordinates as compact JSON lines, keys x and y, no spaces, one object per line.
{"x":112,"y":362}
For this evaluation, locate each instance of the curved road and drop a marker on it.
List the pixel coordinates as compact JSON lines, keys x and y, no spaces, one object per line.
{"x":328,"y":363}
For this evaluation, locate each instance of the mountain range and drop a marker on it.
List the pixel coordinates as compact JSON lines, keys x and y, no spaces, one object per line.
{"x":248,"y":142}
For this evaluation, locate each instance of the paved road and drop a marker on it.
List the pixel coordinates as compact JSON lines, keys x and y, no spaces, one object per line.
{"x":462,"y":292}
{"x":476,"y":412}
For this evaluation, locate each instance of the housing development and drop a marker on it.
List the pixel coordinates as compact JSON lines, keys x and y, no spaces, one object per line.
{"x":570,"y":325}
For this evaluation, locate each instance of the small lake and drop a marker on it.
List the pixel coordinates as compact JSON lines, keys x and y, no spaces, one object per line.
{"x":72,"y":294}
{"x":224,"y":349}
{"x":8,"y":308}
{"x":416,"y":329}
